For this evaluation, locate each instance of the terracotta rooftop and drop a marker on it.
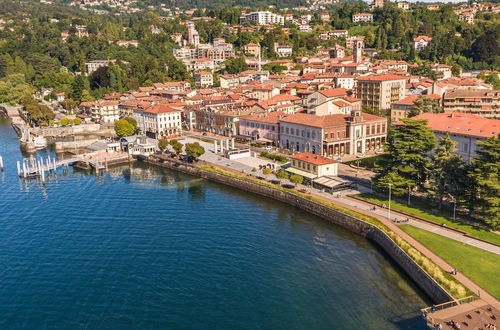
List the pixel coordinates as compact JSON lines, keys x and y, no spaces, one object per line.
{"x":334,"y":92}
{"x":461,"y":123}
{"x":324,"y":121}
{"x":313,"y":158}
{"x":386,"y":77}
{"x":160,"y":108}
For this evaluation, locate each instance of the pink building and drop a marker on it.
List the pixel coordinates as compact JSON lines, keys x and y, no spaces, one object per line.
{"x":262,"y":127}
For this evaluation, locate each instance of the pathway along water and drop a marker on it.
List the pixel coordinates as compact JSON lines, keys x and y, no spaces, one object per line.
{"x":149,"y":248}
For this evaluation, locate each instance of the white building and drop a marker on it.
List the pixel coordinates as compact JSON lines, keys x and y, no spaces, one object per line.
{"x":362,"y":17}
{"x":312,"y":166}
{"x":464,"y":128}
{"x":94,"y":65}
{"x":263,"y":18}
{"x":421,"y":42}
{"x":283,"y":50}
{"x":159,"y":121}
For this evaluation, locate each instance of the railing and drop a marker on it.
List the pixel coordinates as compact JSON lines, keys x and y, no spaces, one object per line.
{"x":429,"y":310}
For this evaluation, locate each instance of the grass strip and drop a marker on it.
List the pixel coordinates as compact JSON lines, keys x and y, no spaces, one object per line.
{"x":478,"y":265}
{"x":419,"y":212}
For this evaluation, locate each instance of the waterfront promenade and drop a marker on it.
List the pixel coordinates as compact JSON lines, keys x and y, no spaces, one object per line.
{"x":359,"y":207}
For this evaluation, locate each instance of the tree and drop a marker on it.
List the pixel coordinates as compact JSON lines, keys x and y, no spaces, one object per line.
{"x":274,"y":68}
{"x":423,"y":105}
{"x":407,"y":163}
{"x":282,"y":174}
{"x":40,"y":114}
{"x":69,"y":105}
{"x":132,"y":121}
{"x":297,"y":179}
{"x":123,"y":128}
{"x":176,"y":145}
{"x":64,"y":121}
{"x":485,"y":48}
{"x":194,"y":150}
{"x":163,"y":144}
{"x":236,"y":65}
{"x":424,"y":71}
{"x":446,"y":167}
{"x":3,"y":66}
{"x":79,"y":84}
{"x":486,"y":174}
{"x":86,"y":97}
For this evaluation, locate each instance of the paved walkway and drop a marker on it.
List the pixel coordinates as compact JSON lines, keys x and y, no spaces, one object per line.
{"x":240,"y":165}
{"x":485,"y":296}
{"x":436,"y":229}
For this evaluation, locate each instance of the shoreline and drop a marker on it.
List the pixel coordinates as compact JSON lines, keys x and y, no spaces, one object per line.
{"x":437,"y":293}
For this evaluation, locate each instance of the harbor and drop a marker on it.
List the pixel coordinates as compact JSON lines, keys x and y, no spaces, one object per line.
{"x":137,"y":240}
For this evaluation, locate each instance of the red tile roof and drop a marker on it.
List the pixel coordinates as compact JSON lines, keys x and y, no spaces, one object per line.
{"x":160,"y":108}
{"x":324,"y":121}
{"x":313,"y":158}
{"x":386,"y":77}
{"x":461,"y":123}
{"x":334,"y":92}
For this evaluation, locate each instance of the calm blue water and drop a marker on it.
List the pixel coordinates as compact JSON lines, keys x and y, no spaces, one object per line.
{"x":141,"y":247}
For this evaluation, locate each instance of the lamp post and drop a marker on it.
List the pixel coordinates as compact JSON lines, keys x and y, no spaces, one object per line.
{"x":454,"y":208}
{"x":389,"y":215}
{"x":409,"y":194}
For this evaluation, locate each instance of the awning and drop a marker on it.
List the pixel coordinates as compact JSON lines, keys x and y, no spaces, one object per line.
{"x":330,"y":181}
{"x":265,"y":140}
{"x":300,"y":172}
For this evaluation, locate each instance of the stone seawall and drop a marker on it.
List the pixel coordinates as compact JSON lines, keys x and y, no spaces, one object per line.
{"x":82,"y":129}
{"x":433,"y":289}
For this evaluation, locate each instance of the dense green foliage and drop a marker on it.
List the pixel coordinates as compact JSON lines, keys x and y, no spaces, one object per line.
{"x":39,"y":114}
{"x":176,"y":145}
{"x":278,"y":158}
{"x":442,"y":175}
{"x":123,"y":128}
{"x":297,"y":179}
{"x":407,"y":164}
{"x":163,"y":144}
{"x":194,"y":150}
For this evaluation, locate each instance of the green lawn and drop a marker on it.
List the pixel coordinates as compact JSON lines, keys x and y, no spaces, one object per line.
{"x":368,"y":162}
{"x":474,"y":232}
{"x":480,"y":266}
{"x":361,"y":29}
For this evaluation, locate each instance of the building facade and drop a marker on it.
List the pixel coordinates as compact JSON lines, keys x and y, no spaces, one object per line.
{"x":484,"y":103}
{"x":159,"y":121}
{"x":379,"y":92}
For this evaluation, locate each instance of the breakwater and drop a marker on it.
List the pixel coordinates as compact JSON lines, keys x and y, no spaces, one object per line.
{"x":432,"y":288}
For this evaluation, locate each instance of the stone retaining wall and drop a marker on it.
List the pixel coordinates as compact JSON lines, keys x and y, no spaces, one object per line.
{"x":82,"y":129}
{"x":437,"y":293}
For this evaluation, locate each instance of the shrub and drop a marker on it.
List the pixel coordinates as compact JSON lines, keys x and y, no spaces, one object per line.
{"x":282,"y":174}
{"x":267,"y":171}
{"x":124,"y":128}
{"x":279,"y":158}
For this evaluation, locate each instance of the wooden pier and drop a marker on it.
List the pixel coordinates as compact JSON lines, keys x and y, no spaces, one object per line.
{"x":42,"y":168}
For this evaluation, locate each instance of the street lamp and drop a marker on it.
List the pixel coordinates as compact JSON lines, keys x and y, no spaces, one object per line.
{"x":454,"y":208}
{"x":389,"y":216}
{"x":409,"y":195}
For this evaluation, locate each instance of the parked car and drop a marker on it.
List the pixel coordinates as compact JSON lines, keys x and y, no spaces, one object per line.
{"x":360,"y":156}
{"x":269,"y":148}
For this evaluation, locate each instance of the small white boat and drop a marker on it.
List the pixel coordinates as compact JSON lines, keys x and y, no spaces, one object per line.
{"x":40,"y":142}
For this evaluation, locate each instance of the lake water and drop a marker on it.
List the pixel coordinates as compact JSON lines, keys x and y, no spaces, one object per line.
{"x":141,"y":247}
